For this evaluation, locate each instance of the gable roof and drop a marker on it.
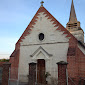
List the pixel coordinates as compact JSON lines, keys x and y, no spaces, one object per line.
{"x":82,"y":44}
{"x":42,"y":9}
{"x":33,"y":22}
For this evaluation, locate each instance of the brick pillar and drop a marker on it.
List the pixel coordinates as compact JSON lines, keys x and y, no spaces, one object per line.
{"x":32,"y":73}
{"x":5,"y":75}
{"x":62,"y":77}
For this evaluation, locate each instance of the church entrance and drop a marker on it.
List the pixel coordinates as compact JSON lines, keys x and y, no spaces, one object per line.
{"x":41,"y":71}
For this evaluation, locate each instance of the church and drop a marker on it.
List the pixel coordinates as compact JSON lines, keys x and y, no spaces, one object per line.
{"x":46,"y":42}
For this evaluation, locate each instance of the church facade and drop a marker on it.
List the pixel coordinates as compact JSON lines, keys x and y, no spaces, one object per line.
{"x":46,"y":42}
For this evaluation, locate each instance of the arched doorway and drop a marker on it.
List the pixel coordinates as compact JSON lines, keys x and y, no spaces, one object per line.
{"x":41,"y":71}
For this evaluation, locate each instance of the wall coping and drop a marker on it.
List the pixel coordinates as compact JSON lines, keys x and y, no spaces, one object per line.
{"x":62,"y":63}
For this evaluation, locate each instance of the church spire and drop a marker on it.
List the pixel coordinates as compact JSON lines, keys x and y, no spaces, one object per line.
{"x":72,"y":17}
{"x":73,"y":26}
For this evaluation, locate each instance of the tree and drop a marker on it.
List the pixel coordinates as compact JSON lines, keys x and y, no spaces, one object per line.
{"x":4,"y":60}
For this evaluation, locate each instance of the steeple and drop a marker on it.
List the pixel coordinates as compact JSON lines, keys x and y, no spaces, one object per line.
{"x":72,"y":17}
{"x":73,"y":26}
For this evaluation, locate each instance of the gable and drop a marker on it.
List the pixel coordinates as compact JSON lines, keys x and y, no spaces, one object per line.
{"x":55,"y":26}
{"x":40,"y":53}
{"x":50,"y":18}
{"x":45,"y":26}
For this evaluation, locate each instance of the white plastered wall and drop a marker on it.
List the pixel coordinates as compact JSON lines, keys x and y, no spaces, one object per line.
{"x":55,"y":43}
{"x":79,"y":35}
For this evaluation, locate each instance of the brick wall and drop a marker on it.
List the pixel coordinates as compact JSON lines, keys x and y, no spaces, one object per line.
{"x":62,"y":74}
{"x":76,"y":66}
{"x":1,"y":69}
{"x":5,"y":75}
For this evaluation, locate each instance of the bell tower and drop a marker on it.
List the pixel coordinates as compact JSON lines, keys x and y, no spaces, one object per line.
{"x":73,"y":26}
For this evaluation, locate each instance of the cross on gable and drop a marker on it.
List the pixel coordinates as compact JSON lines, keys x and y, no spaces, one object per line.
{"x":42,"y":3}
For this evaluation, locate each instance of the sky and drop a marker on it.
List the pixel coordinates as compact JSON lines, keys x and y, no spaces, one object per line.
{"x":15,"y":15}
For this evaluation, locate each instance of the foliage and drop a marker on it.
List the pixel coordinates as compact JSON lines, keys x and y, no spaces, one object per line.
{"x":4,"y":60}
{"x":47,"y":74}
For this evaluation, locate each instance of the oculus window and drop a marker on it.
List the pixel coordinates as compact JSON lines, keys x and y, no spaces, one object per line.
{"x":41,"y":36}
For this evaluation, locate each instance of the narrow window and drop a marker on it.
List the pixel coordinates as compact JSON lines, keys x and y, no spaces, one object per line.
{"x":41,"y":36}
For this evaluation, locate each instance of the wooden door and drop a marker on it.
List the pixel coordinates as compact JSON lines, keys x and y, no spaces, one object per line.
{"x":41,"y":71}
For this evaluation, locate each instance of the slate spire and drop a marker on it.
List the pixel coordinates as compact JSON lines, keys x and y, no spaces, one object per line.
{"x":73,"y":26}
{"x":72,"y":17}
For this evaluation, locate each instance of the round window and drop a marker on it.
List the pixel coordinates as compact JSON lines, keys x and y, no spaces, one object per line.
{"x":41,"y":36}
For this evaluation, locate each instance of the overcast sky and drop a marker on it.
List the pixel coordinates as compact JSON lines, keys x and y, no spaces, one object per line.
{"x":15,"y":15}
